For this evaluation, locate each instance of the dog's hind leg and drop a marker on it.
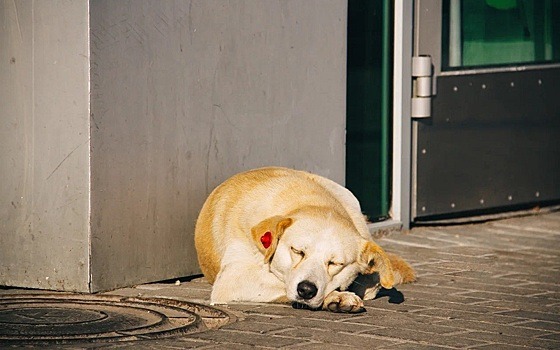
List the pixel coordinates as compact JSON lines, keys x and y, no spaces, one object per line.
{"x":367,"y":286}
{"x":246,"y":282}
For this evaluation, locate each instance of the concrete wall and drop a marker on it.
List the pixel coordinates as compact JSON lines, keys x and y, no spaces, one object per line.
{"x":44,"y":132}
{"x":183,"y":95}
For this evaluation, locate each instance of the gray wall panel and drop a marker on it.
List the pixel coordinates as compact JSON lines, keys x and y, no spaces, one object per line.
{"x":185,"y":94}
{"x":44,"y":148}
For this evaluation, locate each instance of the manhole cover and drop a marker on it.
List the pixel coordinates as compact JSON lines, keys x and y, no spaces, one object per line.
{"x":62,"y":318}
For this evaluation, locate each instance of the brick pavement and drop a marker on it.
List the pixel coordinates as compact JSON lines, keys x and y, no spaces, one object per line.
{"x":481,"y":286}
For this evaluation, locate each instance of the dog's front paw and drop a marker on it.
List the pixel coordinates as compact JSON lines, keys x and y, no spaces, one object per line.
{"x":343,"y":302}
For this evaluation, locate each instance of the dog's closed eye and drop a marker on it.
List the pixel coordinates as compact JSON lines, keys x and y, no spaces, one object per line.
{"x":334,"y":267}
{"x":298,"y":252}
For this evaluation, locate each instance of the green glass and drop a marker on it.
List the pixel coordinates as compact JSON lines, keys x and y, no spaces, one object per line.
{"x":369,"y":86}
{"x":485,"y":33}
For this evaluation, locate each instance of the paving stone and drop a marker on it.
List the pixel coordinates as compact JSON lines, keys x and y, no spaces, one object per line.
{"x":535,"y":226}
{"x":457,"y":253}
{"x":275,"y":309}
{"x":414,"y":346}
{"x":363,"y":341}
{"x":497,"y":328}
{"x":226,"y":336}
{"x":321,"y":346}
{"x":550,"y":317}
{"x":465,"y":315}
{"x":499,"y":296}
{"x":453,"y":298}
{"x":550,"y":326}
{"x":554,"y":295}
{"x":474,"y":265}
{"x":256,"y":327}
{"x":513,"y":340}
{"x":166,"y":344}
{"x":513,"y":305}
{"x":435,"y":289}
{"x":490,"y":287}
{"x":415,"y":241}
{"x":425,"y":337}
{"x":491,"y":283}
{"x":436,"y":271}
{"x":439,"y":304}
{"x":517,"y":232}
{"x":423,"y":326}
{"x":553,"y":336}
{"x":243,"y":306}
{"x":231,"y":346}
{"x":383,"y":319}
{"x":495,"y":346}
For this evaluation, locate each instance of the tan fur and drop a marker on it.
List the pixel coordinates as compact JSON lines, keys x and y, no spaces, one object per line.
{"x":208,"y":258}
{"x":298,"y":211}
{"x":374,"y":259}
{"x":275,"y":226}
{"x":403,"y":273}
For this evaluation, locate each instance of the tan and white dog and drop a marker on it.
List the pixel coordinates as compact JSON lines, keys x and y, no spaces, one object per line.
{"x":281,"y":235}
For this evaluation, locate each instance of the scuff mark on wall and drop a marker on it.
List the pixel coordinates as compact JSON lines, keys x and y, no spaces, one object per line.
{"x":65,"y":158}
{"x":17,"y":21}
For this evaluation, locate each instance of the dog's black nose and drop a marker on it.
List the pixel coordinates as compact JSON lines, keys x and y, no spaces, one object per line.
{"x":306,"y":290}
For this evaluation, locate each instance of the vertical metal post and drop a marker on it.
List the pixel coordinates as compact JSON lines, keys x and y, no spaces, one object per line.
{"x":402,"y":124}
{"x":385,"y":104}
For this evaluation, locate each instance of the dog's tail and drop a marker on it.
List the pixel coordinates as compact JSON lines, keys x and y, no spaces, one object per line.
{"x":402,"y":271}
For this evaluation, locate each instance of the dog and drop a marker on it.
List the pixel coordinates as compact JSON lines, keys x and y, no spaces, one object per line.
{"x":281,"y":235}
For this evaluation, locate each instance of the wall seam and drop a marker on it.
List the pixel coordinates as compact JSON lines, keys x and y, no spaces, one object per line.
{"x":89,"y":187}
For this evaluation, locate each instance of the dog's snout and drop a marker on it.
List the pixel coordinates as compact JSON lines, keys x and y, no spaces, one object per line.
{"x":306,"y":290}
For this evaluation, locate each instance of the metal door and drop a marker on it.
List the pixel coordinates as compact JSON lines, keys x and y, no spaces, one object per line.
{"x":490,"y":141}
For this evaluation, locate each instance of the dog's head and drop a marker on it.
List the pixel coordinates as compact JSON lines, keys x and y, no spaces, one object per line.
{"x":314,"y":256}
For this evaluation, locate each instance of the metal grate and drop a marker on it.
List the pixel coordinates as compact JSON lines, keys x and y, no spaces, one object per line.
{"x":70,"y":319}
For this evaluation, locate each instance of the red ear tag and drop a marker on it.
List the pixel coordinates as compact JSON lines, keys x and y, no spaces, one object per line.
{"x":266,"y":239}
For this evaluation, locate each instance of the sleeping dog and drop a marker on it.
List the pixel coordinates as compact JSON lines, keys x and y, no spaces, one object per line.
{"x":281,"y":235}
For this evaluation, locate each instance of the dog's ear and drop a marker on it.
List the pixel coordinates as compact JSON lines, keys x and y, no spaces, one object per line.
{"x":267,"y":233}
{"x":373,"y":259}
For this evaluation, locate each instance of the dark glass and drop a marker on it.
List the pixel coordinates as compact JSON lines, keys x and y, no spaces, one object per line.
{"x":487,"y":33}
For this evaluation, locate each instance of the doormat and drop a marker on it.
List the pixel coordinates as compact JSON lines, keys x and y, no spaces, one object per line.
{"x":70,"y":318}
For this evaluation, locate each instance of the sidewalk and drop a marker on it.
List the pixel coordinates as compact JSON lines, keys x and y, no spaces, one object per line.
{"x":484,"y":286}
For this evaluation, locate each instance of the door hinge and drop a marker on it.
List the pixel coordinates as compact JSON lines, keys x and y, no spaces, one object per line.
{"x":422,"y":75}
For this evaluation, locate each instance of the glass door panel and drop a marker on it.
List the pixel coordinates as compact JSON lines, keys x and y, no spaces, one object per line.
{"x":483,"y":33}
{"x":369,"y":86}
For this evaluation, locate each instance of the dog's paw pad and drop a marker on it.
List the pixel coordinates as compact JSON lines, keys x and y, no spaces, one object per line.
{"x":344,"y":302}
